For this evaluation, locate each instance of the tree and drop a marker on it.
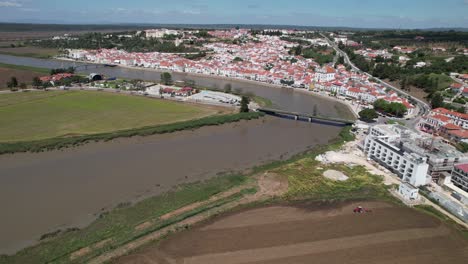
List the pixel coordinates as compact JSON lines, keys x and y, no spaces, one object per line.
{"x":166,"y":78}
{"x":380,"y":105}
{"x":403,"y":83}
{"x":340,"y":60}
{"x":37,"y":82}
{"x":298,"y":50}
{"x":367,"y":115}
{"x":13,"y":83}
{"x":463,"y":147}
{"x":397,"y":109}
{"x":236,"y":59}
{"x":437,"y":101}
{"x":228,"y":88}
{"x":244,"y":108}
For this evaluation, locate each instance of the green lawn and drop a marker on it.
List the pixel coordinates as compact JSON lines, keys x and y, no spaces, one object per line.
{"x":40,"y":115}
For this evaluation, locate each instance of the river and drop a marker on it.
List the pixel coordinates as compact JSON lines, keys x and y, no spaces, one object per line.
{"x":40,"y":192}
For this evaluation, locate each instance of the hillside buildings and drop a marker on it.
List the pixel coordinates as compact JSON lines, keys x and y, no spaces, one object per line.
{"x":449,"y":124}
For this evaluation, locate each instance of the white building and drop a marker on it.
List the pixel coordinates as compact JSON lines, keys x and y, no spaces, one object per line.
{"x":159,"y":33}
{"x":382,"y":145}
{"x":326,"y":74}
{"x":408,"y":191}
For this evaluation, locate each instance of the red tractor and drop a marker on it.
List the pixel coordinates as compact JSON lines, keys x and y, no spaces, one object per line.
{"x":360,"y":210}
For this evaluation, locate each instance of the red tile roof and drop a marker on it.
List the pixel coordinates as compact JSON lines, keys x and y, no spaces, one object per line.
{"x":462,"y":133}
{"x":463,"y":167}
{"x":451,"y":126}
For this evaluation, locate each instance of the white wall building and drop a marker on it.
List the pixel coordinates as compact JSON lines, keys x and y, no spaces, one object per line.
{"x":408,"y":192}
{"x":380,"y":145}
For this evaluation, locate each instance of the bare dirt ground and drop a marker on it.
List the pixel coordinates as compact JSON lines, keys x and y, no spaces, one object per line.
{"x":21,"y":75}
{"x":312,"y":233}
{"x":415,"y":91}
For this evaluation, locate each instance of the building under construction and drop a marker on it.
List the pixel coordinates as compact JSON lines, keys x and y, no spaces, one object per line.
{"x":437,"y":153}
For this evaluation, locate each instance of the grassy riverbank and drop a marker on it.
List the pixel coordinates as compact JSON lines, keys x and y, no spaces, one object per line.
{"x":63,"y":142}
{"x":126,"y":223}
{"x":40,"y":115}
{"x":25,"y":68}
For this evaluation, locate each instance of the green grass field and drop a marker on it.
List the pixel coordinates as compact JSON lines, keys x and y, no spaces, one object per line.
{"x":40,"y":115}
{"x":25,"y":68}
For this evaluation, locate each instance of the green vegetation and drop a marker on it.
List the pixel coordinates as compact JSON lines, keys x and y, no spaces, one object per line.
{"x":244,"y":108}
{"x":393,"y":108}
{"x":237,"y":59}
{"x":32,"y":52}
{"x":112,"y":40}
{"x":261,"y":101}
{"x":42,"y":115}
{"x":166,"y":78}
{"x":395,"y":122}
{"x":318,"y":54}
{"x":307,"y":181}
{"x":368,"y":115}
{"x":437,"y":101}
{"x":13,"y":83}
{"x":24,"y":68}
{"x":118,"y":226}
{"x":321,"y":55}
{"x":463,"y":147}
{"x":63,"y":142}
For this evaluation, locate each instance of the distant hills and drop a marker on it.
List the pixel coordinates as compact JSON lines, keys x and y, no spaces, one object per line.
{"x":25,"y":27}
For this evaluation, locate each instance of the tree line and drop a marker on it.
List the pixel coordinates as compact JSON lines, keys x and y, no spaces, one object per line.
{"x":98,"y":40}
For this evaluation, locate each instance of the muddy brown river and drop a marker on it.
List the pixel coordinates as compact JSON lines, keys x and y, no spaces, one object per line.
{"x":41,"y":192}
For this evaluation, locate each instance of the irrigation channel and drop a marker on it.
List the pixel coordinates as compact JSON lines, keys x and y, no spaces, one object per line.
{"x":41,"y":192}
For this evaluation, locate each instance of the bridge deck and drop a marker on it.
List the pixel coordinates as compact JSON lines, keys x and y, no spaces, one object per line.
{"x":305,"y":115}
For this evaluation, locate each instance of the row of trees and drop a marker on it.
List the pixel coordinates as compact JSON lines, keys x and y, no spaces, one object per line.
{"x":13,"y":84}
{"x":62,"y":70}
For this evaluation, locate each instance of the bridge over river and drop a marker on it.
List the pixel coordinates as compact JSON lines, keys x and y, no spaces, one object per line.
{"x":306,"y":117}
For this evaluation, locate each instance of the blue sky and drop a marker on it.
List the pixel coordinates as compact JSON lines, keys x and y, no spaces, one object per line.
{"x":352,"y":13}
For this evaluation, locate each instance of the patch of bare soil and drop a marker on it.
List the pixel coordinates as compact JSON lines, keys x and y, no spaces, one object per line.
{"x":22,"y":76}
{"x":313,"y":233}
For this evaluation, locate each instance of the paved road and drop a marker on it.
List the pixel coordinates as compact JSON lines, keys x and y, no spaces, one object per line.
{"x":424,"y":107}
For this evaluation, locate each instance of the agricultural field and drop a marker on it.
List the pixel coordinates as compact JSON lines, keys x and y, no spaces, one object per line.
{"x":310,"y":232}
{"x":34,"y":52}
{"x":22,"y":73}
{"x":40,"y":115}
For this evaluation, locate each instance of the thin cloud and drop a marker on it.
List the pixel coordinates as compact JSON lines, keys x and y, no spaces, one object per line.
{"x":10,"y":4}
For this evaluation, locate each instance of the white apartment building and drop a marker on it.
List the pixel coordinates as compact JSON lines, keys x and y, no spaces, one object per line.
{"x":325,"y":74}
{"x":382,"y":146}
